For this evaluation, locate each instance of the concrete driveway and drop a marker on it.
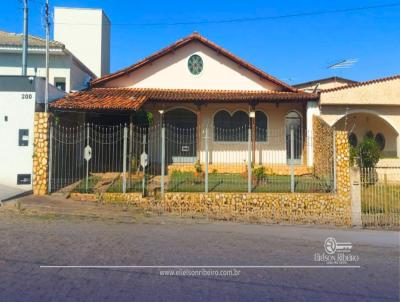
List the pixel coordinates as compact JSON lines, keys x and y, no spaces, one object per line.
{"x":7,"y":192}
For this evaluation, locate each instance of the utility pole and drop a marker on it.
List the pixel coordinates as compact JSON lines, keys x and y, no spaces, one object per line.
{"x":25,"y":40}
{"x":47,"y":27}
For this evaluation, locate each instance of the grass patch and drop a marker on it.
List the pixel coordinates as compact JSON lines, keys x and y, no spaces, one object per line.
{"x":380,"y":198}
{"x":135,"y":185}
{"x":225,"y":182}
{"x":92,"y":181}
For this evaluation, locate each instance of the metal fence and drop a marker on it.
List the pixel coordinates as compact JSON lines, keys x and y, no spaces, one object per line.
{"x":164,"y":158}
{"x":380,"y":197}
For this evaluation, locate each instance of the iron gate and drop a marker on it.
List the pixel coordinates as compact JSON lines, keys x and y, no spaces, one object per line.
{"x":93,"y":158}
{"x":380,"y":197}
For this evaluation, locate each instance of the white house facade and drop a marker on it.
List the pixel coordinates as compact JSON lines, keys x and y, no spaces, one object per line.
{"x":19,"y":97}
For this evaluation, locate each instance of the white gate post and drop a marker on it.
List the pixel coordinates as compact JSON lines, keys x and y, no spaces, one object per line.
{"x":355,"y":180}
{"x":124,"y":156}
{"x":292,"y":159}
{"x":144,"y":167}
{"x":249,"y":161}
{"x":206,"y":160}
{"x":162,"y":158}
{"x":334,"y":161}
{"x":87,"y":160}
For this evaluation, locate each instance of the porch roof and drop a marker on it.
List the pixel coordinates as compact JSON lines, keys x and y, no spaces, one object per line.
{"x":134,"y":98}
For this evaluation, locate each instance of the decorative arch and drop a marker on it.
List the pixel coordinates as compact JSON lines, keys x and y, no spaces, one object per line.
{"x":294,"y":120}
{"x":392,"y":132}
{"x":262,"y":123}
{"x":368,"y":111}
{"x":230,"y":127}
{"x":181,"y":117}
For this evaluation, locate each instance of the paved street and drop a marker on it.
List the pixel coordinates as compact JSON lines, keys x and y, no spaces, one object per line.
{"x":29,"y":241}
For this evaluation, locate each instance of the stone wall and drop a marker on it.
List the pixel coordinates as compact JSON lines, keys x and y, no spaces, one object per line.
{"x":40,"y":153}
{"x":319,"y":208}
{"x":322,"y":147}
{"x":342,"y":164}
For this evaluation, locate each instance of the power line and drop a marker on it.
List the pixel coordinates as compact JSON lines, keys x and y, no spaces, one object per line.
{"x":252,"y":19}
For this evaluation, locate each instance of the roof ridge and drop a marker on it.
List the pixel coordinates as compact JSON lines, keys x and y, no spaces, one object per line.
{"x":14,"y":35}
{"x":358,"y":84}
{"x":195,"y":90}
{"x":182,"y":42}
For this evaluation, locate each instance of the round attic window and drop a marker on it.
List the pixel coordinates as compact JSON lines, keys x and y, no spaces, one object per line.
{"x":195,"y":64}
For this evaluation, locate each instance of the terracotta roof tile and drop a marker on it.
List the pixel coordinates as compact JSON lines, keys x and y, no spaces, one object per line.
{"x":182,"y":42}
{"x":134,"y":98}
{"x":358,"y":84}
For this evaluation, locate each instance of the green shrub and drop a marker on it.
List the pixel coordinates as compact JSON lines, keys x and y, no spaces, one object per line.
{"x":353,"y":155}
{"x":259,"y":173}
{"x":197,"y":167}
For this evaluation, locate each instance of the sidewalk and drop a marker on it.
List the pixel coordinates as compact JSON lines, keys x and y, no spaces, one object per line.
{"x":58,"y":206}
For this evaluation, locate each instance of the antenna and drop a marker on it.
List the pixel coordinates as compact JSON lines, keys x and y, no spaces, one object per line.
{"x":47,"y":27}
{"x":25,"y":40}
{"x":342,"y":64}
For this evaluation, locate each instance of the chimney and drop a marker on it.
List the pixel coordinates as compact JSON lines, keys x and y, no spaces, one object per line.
{"x":85,"y":33}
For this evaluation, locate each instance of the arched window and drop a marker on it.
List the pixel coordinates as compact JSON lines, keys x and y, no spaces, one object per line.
{"x":380,"y":140}
{"x":180,"y":118}
{"x":353,"y":140}
{"x":222,"y":119}
{"x":261,"y":127}
{"x":293,"y":121}
{"x":229,"y":128}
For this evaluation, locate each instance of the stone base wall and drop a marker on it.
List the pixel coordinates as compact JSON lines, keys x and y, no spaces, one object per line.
{"x":253,"y":207}
{"x":316,"y":208}
{"x":232,"y":168}
{"x":40,"y":153}
{"x":322,"y":147}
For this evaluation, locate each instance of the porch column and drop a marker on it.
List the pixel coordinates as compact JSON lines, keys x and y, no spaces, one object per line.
{"x":398,"y":145}
{"x":198,"y":134}
{"x":312,"y":109}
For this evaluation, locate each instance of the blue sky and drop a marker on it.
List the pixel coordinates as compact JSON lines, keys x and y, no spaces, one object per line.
{"x":292,"y":49}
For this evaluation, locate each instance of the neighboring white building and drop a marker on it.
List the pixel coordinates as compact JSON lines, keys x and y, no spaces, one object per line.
{"x":86,"y":33}
{"x":78,"y":55}
{"x":66,"y":71}
{"x":19,"y":96}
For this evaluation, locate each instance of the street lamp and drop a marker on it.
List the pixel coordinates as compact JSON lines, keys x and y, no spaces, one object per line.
{"x":161,"y":111}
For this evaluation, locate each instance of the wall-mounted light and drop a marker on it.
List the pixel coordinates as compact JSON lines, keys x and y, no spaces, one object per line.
{"x":252,"y":114}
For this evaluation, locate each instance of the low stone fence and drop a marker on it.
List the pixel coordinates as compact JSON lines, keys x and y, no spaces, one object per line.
{"x":317,"y":208}
{"x":255,"y":207}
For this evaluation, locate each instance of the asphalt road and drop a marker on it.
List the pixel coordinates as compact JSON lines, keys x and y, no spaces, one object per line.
{"x":26,"y":243}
